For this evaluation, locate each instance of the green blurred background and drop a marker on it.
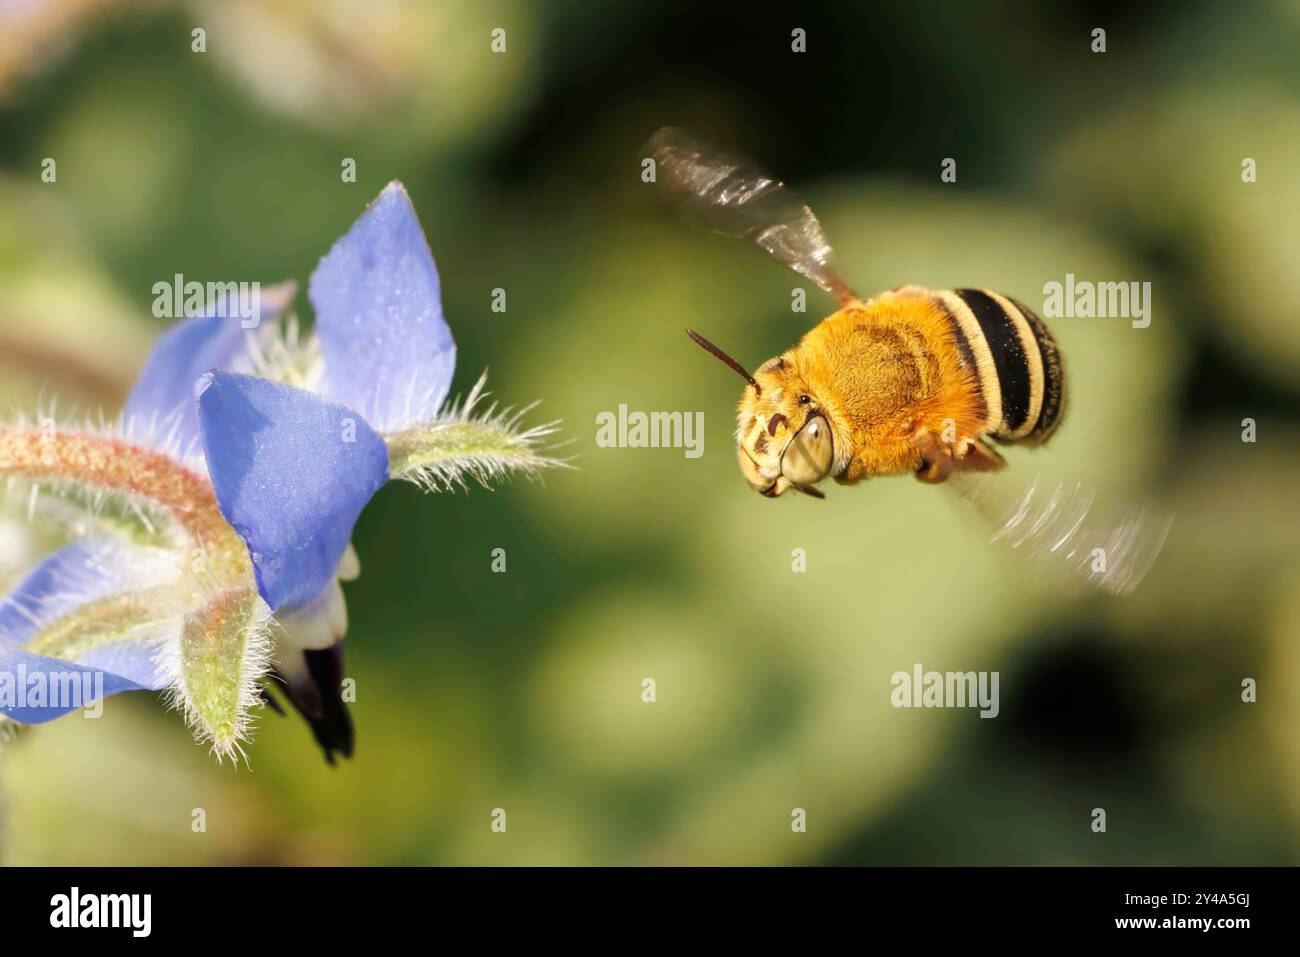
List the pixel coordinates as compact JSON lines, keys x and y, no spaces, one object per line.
{"x":523,"y":690}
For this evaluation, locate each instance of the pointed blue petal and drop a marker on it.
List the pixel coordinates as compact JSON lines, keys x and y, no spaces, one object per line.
{"x":160,"y":407}
{"x":84,"y":572}
{"x":292,"y":472}
{"x":388,"y":351}
{"x":35,"y":689}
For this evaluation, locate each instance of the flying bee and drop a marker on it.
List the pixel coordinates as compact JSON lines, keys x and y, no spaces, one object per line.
{"x":912,"y":381}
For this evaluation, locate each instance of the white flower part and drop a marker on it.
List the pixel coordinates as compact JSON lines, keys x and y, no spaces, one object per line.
{"x":17,"y":549}
{"x":291,"y":665}
{"x":288,"y":355}
{"x":317,"y":625}
{"x":322,"y":622}
{"x":349,"y":565}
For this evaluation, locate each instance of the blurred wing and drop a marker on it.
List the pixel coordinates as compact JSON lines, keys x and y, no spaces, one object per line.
{"x":1063,"y":532}
{"x":725,"y":194}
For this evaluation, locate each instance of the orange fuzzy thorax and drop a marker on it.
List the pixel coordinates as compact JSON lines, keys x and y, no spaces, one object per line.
{"x":113,"y":464}
{"x":886,"y":369}
{"x":880,"y":373}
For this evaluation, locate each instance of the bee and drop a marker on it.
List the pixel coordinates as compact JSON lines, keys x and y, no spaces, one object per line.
{"x":912,"y":381}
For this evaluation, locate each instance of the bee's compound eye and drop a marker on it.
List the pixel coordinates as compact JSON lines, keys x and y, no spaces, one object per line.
{"x":807,"y":458}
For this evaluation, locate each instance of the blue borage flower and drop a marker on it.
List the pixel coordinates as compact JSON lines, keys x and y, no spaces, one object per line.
{"x":213,"y":519}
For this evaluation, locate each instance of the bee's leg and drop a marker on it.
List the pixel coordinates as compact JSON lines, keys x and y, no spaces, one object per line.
{"x":853,"y":473}
{"x":939,"y":459}
{"x":974,"y":455}
{"x":935,"y":471}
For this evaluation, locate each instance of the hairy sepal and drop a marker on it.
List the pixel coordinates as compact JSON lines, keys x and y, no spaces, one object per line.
{"x":223,"y":653}
{"x":464,"y":444}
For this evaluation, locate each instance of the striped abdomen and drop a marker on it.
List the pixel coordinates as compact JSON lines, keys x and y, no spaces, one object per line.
{"x":1016,"y":362}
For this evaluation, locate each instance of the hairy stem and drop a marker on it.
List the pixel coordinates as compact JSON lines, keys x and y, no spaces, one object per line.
{"x":109,"y":463}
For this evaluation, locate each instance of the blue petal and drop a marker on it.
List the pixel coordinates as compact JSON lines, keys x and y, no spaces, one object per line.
{"x":292,"y":472}
{"x":76,"y":574}
{"x":161,"y":404}
{"x":388,"y":351}
{"x":61,"y":685}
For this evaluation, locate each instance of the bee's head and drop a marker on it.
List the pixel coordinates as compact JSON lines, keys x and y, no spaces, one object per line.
{"x":784,"y":439}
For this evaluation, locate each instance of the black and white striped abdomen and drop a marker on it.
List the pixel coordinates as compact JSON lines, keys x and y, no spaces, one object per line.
{"x":1016,"y":361}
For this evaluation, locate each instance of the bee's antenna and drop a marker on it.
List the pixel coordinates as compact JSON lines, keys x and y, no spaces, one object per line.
{"x":708,"y":346}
